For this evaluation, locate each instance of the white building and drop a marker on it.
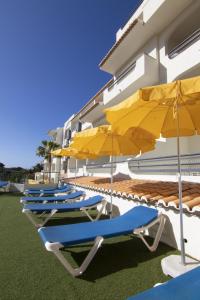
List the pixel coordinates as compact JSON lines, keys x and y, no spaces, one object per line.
{"x":159,"y":43}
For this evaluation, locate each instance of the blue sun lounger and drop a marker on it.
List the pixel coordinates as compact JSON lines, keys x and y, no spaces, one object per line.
{"x":47,"y":189}
{"x":63,"y":198}
{"x":183,"y":287}
{"x":66,"y":189}
{"x":137,"y":221}
{"x":51,"y":209}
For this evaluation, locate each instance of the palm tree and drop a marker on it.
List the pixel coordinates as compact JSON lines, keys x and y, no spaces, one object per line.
{"x":44,"y":150}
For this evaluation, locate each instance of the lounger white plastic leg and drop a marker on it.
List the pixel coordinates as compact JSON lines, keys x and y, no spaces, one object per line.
{"x":85,"y":210}
{"x":28,"y":213}
{"x":48,"y":217}
{"x":43,"y":213}
{"x":29,"y":216}
{"x":140,"y":231}
{"x":55,"y":248}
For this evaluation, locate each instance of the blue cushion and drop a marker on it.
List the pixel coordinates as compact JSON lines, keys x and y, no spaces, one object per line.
{"x":55,"y":191}
{"x":183,"y":287}
{"x":48,"y":189}
{"x":64,"y":207}
{"x":53,"y":199}
{"x":88,"y":231}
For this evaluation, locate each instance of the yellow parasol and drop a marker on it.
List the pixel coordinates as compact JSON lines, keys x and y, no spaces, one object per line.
{"x":170,"y":110}
{"x":102,"y":141}
{"x":64,"y":152}
{"x":155,"y":109}
{"x":72,"y":152}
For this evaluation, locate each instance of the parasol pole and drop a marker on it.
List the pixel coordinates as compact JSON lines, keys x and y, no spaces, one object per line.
{"x":111,"y":181}
{"x":182,"y":244}
{"x":76,"y":166}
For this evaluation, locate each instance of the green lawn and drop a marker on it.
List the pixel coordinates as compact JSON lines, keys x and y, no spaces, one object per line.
{"x":122,"y":267}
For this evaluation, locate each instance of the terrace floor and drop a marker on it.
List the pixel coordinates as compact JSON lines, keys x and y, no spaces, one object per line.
{"x":121,"y":268}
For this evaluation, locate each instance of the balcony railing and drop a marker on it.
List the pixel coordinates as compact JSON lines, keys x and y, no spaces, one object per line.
{"x":185,"y":44}
{"x":190,"y":165}
{"x":129,"y":69}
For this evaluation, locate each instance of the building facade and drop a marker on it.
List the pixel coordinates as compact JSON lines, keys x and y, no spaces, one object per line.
{"x":160,"y":43}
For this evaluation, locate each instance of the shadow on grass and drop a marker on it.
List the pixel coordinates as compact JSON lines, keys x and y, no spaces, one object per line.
{"x":10,"y":194}
{"x":115,"y":256}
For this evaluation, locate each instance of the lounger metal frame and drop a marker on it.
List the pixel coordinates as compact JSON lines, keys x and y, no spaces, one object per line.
{"x":84,"y":209}
{"x":55,"y":247}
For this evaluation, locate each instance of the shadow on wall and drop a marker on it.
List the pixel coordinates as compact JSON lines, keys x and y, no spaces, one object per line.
{"x":115,"y":210}
{"x":163,"y":73}
{"x":168,"y":236}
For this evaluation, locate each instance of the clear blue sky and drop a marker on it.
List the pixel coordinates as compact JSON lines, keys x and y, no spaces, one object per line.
{"x":49,"y":56}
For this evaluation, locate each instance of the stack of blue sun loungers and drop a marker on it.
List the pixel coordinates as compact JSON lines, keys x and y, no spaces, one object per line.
{"x":3,"y":184}
{"x":135,"y":221}
{"x":183,"y":287}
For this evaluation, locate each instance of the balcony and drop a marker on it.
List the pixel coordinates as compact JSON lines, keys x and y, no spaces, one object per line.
{"x":190,"y":40}
{"x":142,"y":72}
{"x":184,"y":60}
{"x":149,"y":20}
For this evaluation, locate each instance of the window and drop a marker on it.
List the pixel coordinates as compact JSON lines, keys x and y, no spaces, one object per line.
{"x":66,"y":143}
{"x":68,"y":134}
{"x":78,"y":126}
{"x":64,"y":166}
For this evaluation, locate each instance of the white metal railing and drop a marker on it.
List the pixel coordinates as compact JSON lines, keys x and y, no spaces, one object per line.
{"x":122,"y":75}
{"x":184,"y":44}
{"x":190,"y":165}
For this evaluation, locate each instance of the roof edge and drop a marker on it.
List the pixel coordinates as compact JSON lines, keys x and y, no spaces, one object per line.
{"x":107,"y":56}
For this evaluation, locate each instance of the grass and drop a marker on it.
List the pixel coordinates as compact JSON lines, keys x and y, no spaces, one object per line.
{"x":121,"y":268}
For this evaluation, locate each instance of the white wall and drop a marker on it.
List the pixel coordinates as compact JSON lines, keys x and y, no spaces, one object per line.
{"x":171,"y":234}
